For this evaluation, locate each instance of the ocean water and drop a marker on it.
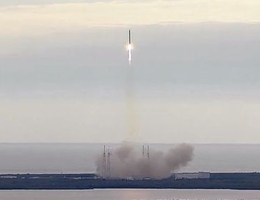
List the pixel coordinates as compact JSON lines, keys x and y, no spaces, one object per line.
{"x":80,"y":158}
{"x":131,"y":195}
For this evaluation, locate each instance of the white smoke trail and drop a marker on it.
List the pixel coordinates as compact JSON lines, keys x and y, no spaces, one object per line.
{"x":129,"y":55}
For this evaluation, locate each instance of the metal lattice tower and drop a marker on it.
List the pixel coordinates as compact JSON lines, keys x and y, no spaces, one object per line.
{"x":104,"y":163}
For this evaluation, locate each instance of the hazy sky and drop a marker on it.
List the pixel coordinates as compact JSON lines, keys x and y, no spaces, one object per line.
{"x":63,"y":71}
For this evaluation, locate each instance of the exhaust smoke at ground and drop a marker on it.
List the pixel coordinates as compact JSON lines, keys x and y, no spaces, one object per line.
{"x":125,"y":162}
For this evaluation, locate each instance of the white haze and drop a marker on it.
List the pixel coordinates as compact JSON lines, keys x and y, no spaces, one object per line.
{"x":60,"y":158}
{"x":126,"y":162}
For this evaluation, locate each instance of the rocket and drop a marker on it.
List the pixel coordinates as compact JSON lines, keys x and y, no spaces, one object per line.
{"x":129,"y":37}
{"x":129,"y":47}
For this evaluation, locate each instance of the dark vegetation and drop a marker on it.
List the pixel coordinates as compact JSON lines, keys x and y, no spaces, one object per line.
{"x":241,"y":181}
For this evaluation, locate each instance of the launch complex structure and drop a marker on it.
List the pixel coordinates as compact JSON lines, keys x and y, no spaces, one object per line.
{"x":106,"y":160}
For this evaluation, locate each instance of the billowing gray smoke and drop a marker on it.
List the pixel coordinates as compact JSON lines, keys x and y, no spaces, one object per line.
{"x":125,"y":162}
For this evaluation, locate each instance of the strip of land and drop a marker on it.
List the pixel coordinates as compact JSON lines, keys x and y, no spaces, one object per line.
{"x":239,"y":181}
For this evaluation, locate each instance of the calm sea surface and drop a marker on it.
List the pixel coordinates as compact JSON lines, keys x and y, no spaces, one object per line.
{"x":131,"y":195}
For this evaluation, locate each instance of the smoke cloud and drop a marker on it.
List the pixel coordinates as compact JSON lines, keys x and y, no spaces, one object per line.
{"x":125,"y":162}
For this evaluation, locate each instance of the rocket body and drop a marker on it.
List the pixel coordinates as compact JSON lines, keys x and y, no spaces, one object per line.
{"x":129,"y":37}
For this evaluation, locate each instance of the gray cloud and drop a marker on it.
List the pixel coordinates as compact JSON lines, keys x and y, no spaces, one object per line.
{"x":125,"y":162}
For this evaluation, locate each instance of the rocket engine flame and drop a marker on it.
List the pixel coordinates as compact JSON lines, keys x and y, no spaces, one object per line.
{"x":129,"y":47}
